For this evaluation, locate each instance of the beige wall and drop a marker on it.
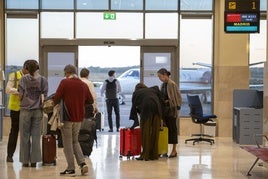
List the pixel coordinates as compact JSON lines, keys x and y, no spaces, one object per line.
{"x":265,"y":94}
{"x":265,"y":102}
{"x":231,"y":59}
{"x":2,"y":50}
{"x":2,"y":36}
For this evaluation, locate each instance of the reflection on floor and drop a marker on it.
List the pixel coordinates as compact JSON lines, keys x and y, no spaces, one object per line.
{"x":224,"y":159}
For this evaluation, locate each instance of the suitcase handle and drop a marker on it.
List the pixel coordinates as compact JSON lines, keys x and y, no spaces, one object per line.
{"x":162,"y":125}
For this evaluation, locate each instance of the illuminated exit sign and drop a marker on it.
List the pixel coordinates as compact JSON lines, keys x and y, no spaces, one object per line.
{"x":109,"y":16}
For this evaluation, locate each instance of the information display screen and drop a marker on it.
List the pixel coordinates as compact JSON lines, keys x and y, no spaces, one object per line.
{"x":242,"y":16}
{"x":242,"y":22}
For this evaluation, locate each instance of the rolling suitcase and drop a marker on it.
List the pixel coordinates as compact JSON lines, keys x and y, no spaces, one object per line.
{"x":163,"y":142}
{"x":49,"y":150}
{"x":130,"y":142}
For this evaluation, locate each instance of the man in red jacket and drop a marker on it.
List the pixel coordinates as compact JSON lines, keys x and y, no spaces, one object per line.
{"x":74,"y":94}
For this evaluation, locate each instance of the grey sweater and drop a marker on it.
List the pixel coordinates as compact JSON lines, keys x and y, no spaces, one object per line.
{"x":30,"y":89}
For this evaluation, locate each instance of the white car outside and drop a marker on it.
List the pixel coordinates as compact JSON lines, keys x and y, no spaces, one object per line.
{"x":128,"y":81}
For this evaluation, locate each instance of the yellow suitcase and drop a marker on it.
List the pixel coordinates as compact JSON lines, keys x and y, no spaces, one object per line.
{"x":163,"y":142}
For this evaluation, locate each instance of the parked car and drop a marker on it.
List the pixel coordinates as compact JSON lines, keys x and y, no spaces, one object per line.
{"x":128,"y":81}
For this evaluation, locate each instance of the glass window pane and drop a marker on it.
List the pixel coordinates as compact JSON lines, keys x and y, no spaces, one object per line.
{"x":92,"y":4}
{"x":263,"y":5}
{"x":196,"y":59}
{"x":126,"y":4}
{"x":257,"y":53}
{"x":92,"y":25}
{"x":22,"y":4}
{"x":161,"y":5}
{"x":197,"y":5}
{"x":57,"y":4}
{"x":56,"y":62}
{"x":57,"y":25}
{"x":16,"y":50}
{"x":21,"y":45}
{"x":165,"y":28}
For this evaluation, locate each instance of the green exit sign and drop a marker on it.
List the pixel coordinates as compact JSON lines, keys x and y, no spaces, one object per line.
{"x":109,"y":16}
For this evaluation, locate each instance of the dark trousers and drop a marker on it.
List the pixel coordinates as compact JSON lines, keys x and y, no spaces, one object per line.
{"x":13,"y":134}
{"x":171,"y":123}
{"x":113,"y":104}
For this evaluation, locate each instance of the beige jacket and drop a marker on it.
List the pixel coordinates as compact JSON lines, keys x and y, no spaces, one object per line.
{"x":174,"y":96}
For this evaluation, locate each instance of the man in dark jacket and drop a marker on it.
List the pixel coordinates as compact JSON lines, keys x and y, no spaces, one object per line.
{"x":147,"y":103}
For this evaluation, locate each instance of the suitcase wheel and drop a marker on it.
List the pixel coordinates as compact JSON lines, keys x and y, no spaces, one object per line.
{"x":164,"y":155}
{"x":128,"y":155}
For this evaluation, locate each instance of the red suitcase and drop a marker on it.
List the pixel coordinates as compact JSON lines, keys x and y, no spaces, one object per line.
{"x":130,"y":142}
{"x":49,"y":150}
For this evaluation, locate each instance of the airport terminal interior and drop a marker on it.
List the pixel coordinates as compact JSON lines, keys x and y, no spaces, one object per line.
{"x":206,"y":44}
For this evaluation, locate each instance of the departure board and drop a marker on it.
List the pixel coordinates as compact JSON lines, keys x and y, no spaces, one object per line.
{"x":242,"y":16}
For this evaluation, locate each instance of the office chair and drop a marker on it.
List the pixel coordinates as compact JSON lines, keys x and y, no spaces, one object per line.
{"x":196,"y":113}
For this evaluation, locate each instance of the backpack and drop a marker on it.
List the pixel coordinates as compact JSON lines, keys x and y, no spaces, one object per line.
{"x":87,"y":135}
{"x":110,"y":90}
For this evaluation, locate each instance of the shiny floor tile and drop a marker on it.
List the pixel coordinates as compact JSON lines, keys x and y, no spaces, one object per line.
{"x":223,"y":160}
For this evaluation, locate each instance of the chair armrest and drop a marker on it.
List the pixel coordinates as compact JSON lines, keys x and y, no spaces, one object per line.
{"x":259,"y":135}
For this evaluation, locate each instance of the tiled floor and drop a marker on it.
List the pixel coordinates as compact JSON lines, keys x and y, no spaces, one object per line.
{"x":223,"y":160}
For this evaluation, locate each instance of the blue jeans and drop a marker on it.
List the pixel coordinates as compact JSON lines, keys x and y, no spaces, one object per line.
{"x":30,"y":134}
{"x":110,"y":104}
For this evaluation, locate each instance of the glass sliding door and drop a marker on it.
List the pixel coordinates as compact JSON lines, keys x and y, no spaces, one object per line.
{"x":55,"y":58}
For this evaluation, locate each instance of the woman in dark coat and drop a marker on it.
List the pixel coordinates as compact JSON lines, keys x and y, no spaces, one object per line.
{"x":147,"y":103}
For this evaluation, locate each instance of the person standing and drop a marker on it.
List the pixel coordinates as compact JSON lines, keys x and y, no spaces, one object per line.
{"x":90,"y":109}
{"x":74,"y":93}
{"x":148,"y":104}
{"x":173,"y":100}
{"x":112,"y":87}
{"x":14,"y":107}
{"x":31,"y":87}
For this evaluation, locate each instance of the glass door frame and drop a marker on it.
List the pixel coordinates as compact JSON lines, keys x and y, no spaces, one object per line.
{"x":43,"y":55}
{"x":174,"y":66}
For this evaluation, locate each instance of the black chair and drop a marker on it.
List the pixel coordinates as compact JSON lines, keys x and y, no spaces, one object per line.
{"x":196,"y":113}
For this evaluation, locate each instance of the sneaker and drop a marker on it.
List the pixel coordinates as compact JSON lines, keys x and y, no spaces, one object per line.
{"x":9,"y":159}
{"x":68,"y":173}
{"x":110,"y":130}
{"x":84,"y":168}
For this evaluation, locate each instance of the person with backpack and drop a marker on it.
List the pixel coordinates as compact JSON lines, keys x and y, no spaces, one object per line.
{"x":112,"y":87}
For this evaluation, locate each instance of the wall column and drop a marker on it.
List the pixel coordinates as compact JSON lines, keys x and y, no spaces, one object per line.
{"x":231,"y":70}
